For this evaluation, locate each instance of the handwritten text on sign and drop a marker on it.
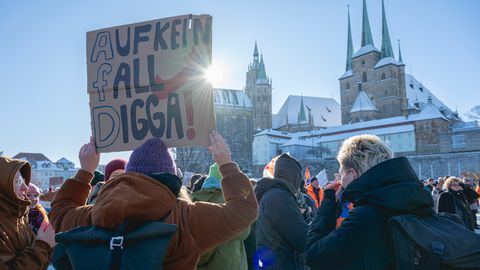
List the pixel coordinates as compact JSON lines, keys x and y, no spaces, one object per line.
{"x":147,"y":80}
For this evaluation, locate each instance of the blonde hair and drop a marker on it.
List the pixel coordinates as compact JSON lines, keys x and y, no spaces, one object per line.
{"x":363,"y":152}
{"x":450,"y":180}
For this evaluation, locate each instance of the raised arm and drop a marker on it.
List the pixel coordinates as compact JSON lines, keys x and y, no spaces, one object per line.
{"x":69,"y":209}
{"x":213,"y":224}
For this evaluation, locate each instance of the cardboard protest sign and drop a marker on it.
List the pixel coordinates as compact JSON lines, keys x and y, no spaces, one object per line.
{"x":147,"y":80}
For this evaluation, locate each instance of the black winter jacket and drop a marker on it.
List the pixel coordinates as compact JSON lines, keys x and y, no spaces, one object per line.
{"x":281,"y":230}
{"x":454,"y":202}
{"x":363,"y":240}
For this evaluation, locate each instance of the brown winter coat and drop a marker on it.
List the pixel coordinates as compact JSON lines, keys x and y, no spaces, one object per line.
{"x":200,"y":226}
{"x":18,"y":247}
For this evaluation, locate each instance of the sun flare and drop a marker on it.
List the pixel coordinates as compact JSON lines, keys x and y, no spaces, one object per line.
{"x":214,"y":75}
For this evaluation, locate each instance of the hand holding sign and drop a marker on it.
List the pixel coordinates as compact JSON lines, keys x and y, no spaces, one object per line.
{"x":89,"y":158}
{"x":219,"y":149}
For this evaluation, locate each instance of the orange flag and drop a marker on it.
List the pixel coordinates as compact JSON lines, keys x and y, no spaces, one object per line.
{"x":307,"y":173}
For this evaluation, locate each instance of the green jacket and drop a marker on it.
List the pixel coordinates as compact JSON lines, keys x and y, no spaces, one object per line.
{"x":229,"y":255}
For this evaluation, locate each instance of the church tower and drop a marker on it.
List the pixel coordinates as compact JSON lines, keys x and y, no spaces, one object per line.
{"x":372,"y":74}
{"x":259,"y":89}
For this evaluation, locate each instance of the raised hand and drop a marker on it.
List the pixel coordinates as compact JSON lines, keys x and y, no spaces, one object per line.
{"x":89,"y":158}
{"x":46,"y":234}
{"x":219,"y":149}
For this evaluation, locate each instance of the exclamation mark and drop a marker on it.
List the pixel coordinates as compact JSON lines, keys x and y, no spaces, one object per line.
{"x":189,"y":109}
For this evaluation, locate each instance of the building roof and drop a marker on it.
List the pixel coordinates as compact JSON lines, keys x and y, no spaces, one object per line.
{"x":63,"y":160}
{"x":325,"y":111}
{"x":31,"y":156}
{"x":386,"y":61}
{"x":363,"y":103}
{"x":418,"y":96}
{"x":464,"y":126}
{"x":365,"y":49}
{"x":232,"y":98}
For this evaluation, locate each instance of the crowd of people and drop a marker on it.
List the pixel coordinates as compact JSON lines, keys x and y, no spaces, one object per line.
{"x":225,"y":220}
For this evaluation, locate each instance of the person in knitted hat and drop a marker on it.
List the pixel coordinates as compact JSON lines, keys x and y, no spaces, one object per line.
{"x":114,"y":168}
{"x":152,"y":157}
{"x":148,"y":191}
{"x":36,"y":212}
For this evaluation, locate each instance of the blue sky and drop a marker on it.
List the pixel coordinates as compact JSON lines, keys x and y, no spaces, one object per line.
{"x":44,"y":102}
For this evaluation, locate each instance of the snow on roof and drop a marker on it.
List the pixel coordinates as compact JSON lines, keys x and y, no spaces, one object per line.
{"x":462,"y":126}
{"x":392,"y":125}
{"x":31,"y":156}
{"x":426,"y":114}
{"x":301,"y":141}
{"x":347,"y":74}
{"x":325,"y":111}
{"x":365,"y":49}
{"x":273,"y":132}
{"x":418,"y":94}
{"x":63,"y":160}
{"x":363,"y":103}
{"x":231,"y":97}
{"x":373,"y":131}
{"x":386,"y":61}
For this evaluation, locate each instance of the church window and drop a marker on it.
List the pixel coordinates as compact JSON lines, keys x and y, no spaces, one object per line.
{"x":411,"y":85}
{"x":348,"y":85}
{"x":383,"y":76}
{"x":364,"y":77}
{"x":363,"y":63}
{"x":386,"y":92}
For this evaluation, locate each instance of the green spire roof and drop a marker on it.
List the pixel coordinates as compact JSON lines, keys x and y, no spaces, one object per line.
{"x":366,"y":31}
{"x":387,"y":50}
{"x":349,"y":45}
{"x":262,"y":75}
{"x":302,"y":117}
{"x":400,"y":60}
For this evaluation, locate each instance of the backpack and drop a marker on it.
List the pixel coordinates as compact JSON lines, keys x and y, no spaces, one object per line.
{"x":133,"y":245}
{"x":436,"y":241}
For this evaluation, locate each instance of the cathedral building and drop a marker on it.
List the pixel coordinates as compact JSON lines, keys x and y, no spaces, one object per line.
{"x":258,"y":88}
{"x":375,"y":85}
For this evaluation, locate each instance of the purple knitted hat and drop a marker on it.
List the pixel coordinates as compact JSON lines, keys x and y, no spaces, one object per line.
{"x":152,"y":156}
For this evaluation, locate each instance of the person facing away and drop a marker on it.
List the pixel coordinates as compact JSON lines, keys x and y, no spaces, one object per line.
{"x":315,"y":191}
{"x":113,"y":168}
{"x":471,"y":195}
{"x":148,"y":191}
{"x":379,"y":186}
{"x":36,"y":212}
{"x":19,"y":247}
{"x":231,"y":254}
{"x":453,"y":201}
{"x":281,"y":230}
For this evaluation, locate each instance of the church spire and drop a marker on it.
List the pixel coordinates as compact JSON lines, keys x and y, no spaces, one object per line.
{"x":400,"y":60}
{"x":349,"y":44}
{"x":387,"y":50}
{"x":255,"y":53}
{"x":262,"y":75}
{"x":366,"y":32}
{"x":302,"y":117}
